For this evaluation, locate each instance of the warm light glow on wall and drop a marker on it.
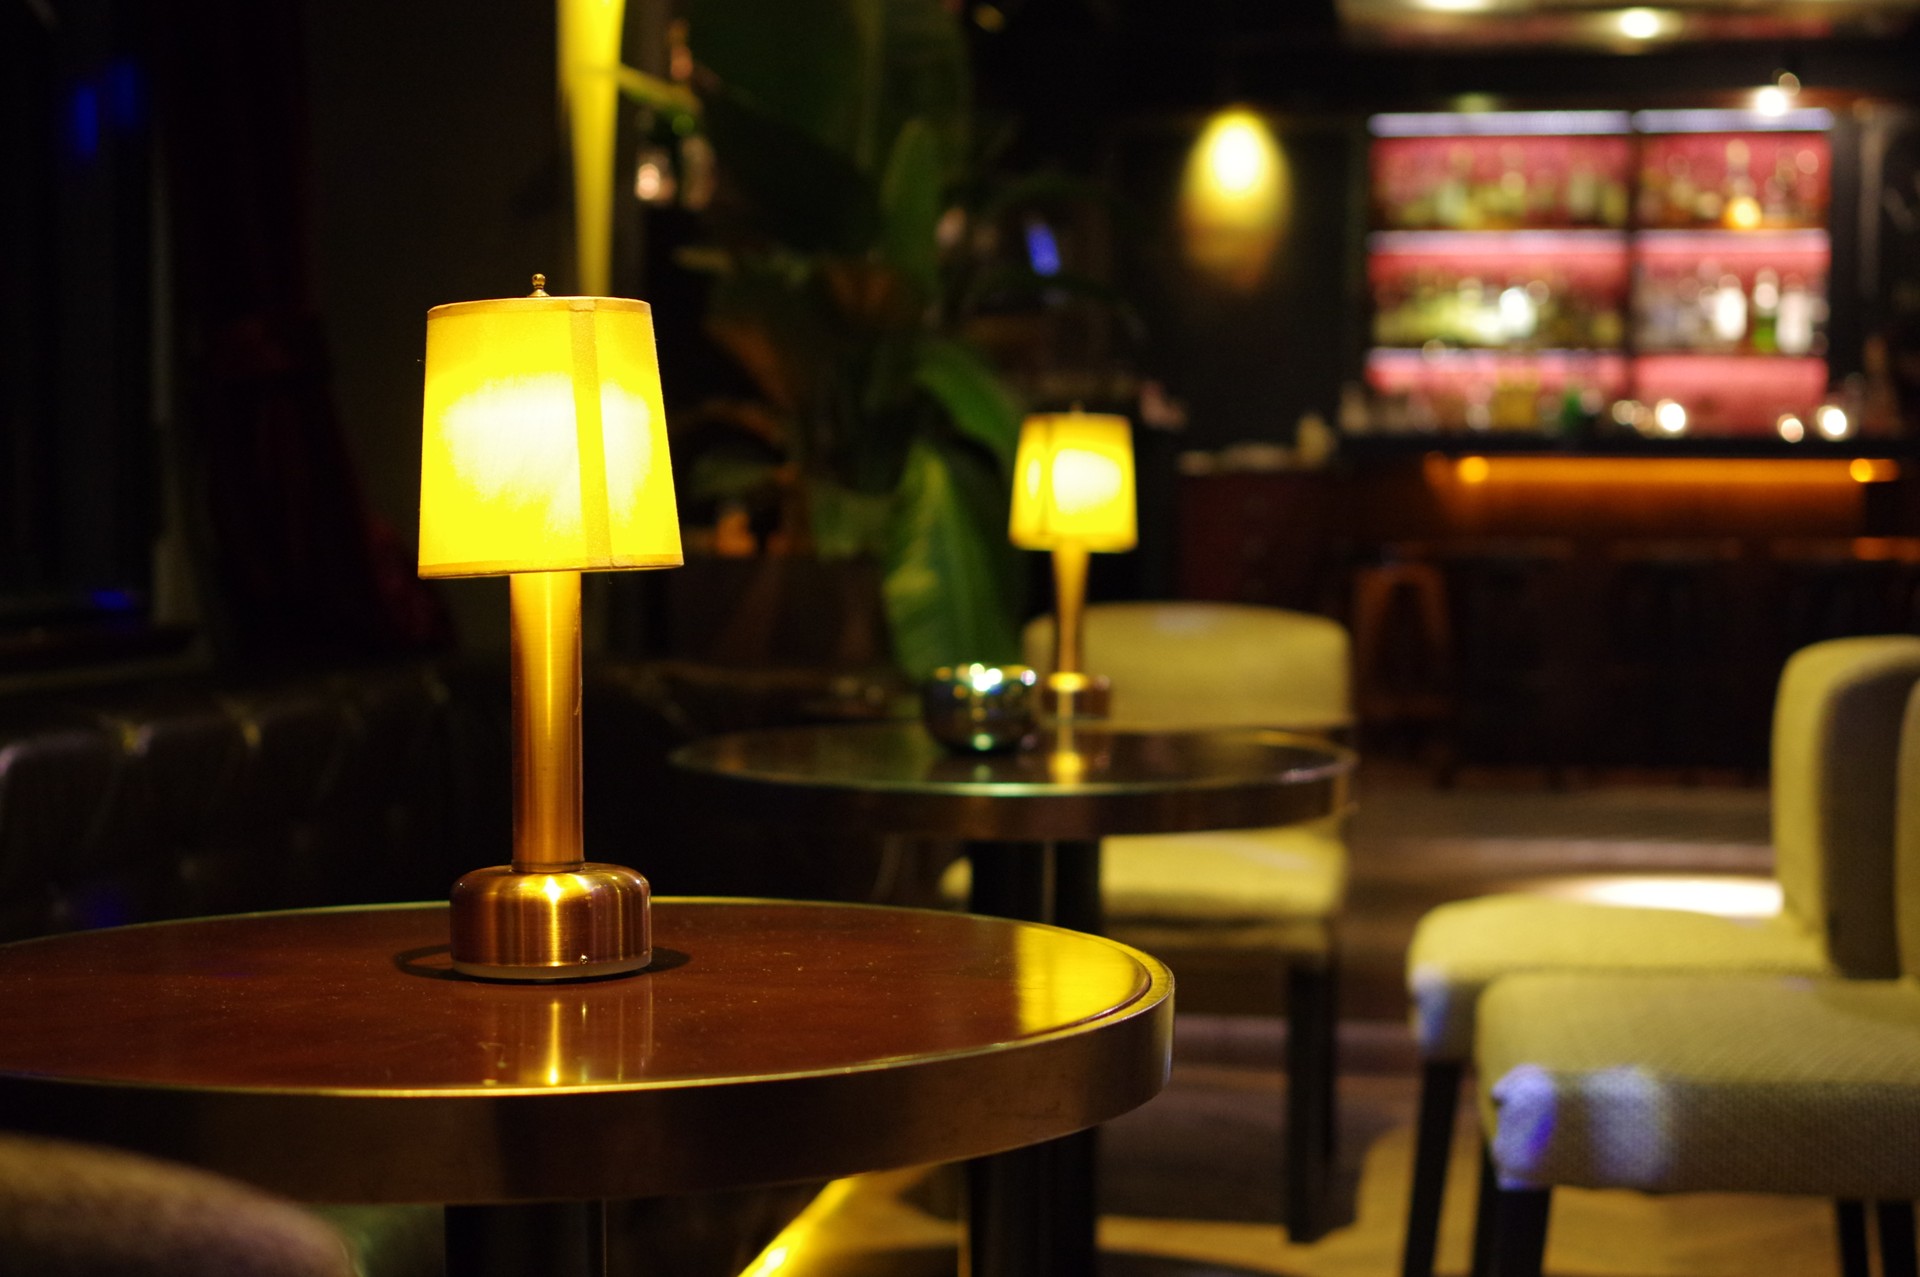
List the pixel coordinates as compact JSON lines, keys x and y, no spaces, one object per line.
{"x":1872,"y":470}
{"x":1234,"y":199}
{"x":1473,"y":469}
{"x":1644,"y":24}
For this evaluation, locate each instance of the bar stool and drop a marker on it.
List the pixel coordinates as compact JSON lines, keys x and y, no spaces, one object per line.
{"x":1512,"y":679}
{"x":1670,"y":634}
{"x":1403,"y":641}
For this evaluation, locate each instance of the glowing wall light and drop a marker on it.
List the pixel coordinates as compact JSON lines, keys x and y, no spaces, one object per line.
{"x":1234,"y":199}
{"x":1643,"y":24}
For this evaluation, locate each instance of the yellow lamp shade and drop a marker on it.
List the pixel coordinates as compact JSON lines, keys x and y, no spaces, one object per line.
{"x":1073,"y":483}
{"x":544,"y":444}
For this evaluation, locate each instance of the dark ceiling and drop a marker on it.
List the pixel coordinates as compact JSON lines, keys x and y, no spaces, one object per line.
{"x":1068,"y":68}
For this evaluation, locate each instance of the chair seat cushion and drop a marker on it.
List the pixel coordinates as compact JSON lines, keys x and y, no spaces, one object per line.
{"x":1460,"y":948}
{"x":1763,"y":1084}
{"x":1275,"y":888}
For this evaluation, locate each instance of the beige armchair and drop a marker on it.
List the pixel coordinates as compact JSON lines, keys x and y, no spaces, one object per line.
{"x":1714,"y":1082}
{"x":1244,"y":917}
{"x":1836,"y":730}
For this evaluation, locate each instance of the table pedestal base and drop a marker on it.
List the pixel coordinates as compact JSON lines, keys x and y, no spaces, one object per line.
{"x":1033,"y":1210}
{"x":535,"y":1239}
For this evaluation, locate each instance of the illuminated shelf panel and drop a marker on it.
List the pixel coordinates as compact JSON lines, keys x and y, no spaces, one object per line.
{"x":1520,"y":240}
{"x":1785,"y":241}
{"x":1733,"y":394}
{"x":1455,"y":390}
{"x":1401,"y":368}
{"x":1526,"y":264}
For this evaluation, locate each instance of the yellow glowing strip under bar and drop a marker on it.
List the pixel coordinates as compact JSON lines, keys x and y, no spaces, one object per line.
{"x":1655,"y":471}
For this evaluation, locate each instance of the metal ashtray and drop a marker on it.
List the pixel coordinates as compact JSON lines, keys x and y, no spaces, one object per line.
{"x":979,"y":709}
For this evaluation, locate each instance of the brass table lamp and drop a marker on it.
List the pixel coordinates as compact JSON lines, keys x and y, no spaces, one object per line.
{"x":544,"y":454}
{"x":1073,"y":494}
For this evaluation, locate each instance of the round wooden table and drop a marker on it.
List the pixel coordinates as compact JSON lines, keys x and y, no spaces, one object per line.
{"x":1032,"y":819}
{"x":332,"y":1055}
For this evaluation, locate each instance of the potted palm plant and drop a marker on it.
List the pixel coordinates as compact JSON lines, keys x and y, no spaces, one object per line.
{"x":838,"y":246}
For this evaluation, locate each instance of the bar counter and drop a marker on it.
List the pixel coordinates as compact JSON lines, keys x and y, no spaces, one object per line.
{"x":1629,"y":603}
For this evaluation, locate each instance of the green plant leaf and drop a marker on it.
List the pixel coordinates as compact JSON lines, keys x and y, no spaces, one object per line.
{"x":798,"y":191}
{"x":848,"y":524}
{"x":910,"y":205}
{"x":771,"y":325}
{"x":804,"y":62}
{"x":973,"y":395}
{"x":946,"y":600}
{"x":924,"y":74}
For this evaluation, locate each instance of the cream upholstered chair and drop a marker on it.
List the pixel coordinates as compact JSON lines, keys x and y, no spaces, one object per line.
{"x":1244,"y":917}
{"x":1835,"y":731}
{"x":1721,"y":1083}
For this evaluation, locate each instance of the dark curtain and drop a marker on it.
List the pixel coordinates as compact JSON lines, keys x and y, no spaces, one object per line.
{"x":299,"y":566}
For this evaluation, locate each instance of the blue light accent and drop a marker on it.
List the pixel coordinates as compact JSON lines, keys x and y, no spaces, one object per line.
{"x":1043,"y":251}
{"x":1496,"y":123}
{"x":109,"y":600}
{"x":83,"y":121}
{"x":126,"y":94}
{"x":1813,"y":119}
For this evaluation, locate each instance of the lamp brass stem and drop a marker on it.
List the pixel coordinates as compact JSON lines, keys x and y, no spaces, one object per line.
{"x":1069,"y":607}
{"x":547,"y":835}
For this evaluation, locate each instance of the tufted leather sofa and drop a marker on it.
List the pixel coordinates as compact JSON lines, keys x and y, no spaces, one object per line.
{"x":141,"y":802}
{"x":152,"y":801}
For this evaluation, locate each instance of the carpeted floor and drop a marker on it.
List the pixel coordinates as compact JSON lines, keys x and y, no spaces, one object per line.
{"x":1190,"y":1182}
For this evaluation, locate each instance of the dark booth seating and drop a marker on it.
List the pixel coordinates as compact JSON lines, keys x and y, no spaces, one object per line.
{"x":142,"y":802}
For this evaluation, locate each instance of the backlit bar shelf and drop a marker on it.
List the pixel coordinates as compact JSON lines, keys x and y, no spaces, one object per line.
{"x":1576,"y":273}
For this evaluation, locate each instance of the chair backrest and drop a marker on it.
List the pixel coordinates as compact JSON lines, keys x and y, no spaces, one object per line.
{"x":1214,"y":664}
{"x":1906,"y":877}
{"x":1836,"y":746}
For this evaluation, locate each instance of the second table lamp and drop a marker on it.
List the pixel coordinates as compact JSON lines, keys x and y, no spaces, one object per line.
{"x":1073,"y":494}
{"x":544,"y":454}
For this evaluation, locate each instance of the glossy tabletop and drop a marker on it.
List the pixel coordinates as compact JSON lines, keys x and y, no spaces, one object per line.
{"x":1097,"y":781}
{"x":332,"y":1055}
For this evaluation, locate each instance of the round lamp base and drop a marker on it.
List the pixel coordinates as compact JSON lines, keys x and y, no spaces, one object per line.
{"x":1076,"y":696}
{"x":572,"y":925}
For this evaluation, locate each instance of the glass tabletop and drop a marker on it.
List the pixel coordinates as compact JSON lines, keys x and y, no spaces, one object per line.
{"x":1079,"y":782}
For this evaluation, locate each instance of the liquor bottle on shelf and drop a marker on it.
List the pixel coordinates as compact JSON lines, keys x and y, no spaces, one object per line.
{"x":1681,"y":193}
{"x":1766,"y":312}
{"x":1727,"y":318}
{"x":1507,"y":199}
{"x":1740,"y":210}
{"x":1780,"y":195}
{"x":1794,"y":325}
{"x":1453,"y":197}
{"x":1583,"y":195}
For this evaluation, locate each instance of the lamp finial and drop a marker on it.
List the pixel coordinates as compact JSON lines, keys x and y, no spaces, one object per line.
{"x":539,"y":285}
